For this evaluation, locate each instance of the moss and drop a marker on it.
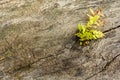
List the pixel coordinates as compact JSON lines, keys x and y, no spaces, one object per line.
{"x":88,"y":32}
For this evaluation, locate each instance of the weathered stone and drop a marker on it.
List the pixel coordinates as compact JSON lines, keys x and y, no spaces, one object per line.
{"x":37,"y":41}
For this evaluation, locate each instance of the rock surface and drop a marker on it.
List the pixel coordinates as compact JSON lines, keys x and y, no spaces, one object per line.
{"x":37,"y":41}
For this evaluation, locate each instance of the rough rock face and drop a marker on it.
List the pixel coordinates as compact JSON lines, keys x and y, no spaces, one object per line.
{"x":37,"y":41}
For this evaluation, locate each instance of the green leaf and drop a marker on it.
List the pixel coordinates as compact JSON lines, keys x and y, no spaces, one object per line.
{"x":81,"y":43}
{"x":81,"y":28}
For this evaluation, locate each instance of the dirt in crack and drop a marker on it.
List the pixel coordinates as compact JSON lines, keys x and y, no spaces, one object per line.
{"x":111,"y":29}
{"x":104,"y":68}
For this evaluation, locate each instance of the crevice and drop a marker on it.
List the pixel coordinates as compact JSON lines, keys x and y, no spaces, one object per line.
{"x":22,"y":67}
{"x":29,"y":64}
{"x":104,"y":68}
{"x":111,"y":29}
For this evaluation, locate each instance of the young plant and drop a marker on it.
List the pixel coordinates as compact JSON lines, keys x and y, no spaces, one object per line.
{"x":88,"y":32}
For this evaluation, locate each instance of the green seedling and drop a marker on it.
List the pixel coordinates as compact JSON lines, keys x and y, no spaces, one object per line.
{"x":88,"y":32}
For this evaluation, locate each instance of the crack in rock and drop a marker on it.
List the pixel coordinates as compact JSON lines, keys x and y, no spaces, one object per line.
{"x":28,"y":65}
{"x":111,"y":29}
{"x":104,"y":68}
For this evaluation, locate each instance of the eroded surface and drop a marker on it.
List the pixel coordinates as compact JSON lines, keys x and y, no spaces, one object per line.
{"x":37,"y":41}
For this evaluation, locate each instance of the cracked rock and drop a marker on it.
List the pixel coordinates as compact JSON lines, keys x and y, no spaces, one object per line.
{"x":37,"y":41}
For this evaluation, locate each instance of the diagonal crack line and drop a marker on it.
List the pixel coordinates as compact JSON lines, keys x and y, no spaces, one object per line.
{"x":27,"y":65}
{"x":31,"y":63}
{"x":111,"y":29}
{"x":104,"y":68}
{"x":108,"y":63}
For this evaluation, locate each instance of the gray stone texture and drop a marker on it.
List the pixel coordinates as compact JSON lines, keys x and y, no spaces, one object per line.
{"x":38,"y":42}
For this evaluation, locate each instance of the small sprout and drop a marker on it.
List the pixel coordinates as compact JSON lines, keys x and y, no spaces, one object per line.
{"x":87,"y":32}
